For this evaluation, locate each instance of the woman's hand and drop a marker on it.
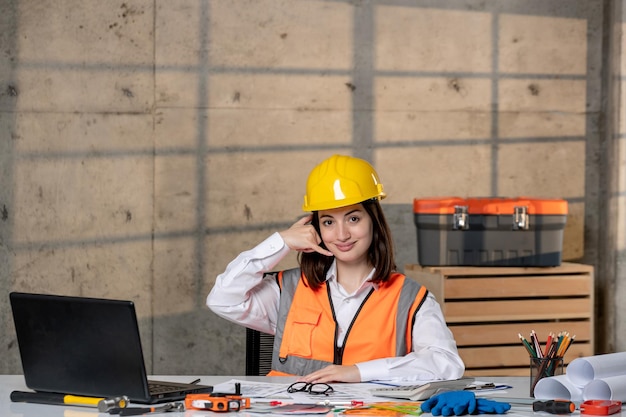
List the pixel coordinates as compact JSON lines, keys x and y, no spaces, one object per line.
{"x":334,"y":373}
{"x":303,"y":237}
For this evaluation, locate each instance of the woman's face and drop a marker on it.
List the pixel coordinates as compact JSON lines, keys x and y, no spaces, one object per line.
{"x":347,"y":232}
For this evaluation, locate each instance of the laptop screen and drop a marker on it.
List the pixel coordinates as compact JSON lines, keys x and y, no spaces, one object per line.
{"x":82,"y":346}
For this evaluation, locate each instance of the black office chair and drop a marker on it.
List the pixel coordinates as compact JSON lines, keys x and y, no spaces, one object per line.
{"x":258,"y":352}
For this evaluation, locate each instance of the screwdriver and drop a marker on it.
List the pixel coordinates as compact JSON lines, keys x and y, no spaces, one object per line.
{"x":555,"y":406}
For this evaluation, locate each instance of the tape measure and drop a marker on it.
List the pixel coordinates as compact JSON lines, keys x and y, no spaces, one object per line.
{"x":220,"y":404}
{"x":600,"y":407}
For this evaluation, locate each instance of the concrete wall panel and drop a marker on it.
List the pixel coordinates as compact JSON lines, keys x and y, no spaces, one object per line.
{"x":542,"y":44}
{"x":410,"y":38}
{"x":425,"y":172}
{"x":273,"y":189}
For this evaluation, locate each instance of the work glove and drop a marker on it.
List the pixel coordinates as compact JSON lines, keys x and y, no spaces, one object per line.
{"x":450,"y":403}
{"x":485,"y":406}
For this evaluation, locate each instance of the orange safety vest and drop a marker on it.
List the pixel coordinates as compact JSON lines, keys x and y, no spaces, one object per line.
{"x":306,"y":330}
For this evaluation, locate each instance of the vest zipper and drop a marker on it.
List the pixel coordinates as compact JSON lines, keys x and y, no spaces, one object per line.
{"x":338,"y":355}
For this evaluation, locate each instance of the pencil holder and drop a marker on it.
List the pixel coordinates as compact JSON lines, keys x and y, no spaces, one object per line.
{"x":543,"y":367}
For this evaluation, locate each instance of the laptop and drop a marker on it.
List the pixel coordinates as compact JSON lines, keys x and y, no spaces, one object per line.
{"x":87,"y":346}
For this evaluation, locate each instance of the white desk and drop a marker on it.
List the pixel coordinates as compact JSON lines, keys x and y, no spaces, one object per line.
{"x":9,"y":383}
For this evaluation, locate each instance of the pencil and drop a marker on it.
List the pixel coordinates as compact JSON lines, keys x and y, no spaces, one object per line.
{"x":560,"y":340}
{"x":569,"y":344}
{"x":563,"y":344}
{"x":548,"y":343}
{"x":533,"y":337}
{"x":527,"y":346}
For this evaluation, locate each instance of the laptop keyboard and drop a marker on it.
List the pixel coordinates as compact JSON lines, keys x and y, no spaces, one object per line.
{"x":156,"y":388}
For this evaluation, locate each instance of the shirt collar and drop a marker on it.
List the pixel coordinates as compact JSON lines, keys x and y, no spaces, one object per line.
{"x":331,"y":275}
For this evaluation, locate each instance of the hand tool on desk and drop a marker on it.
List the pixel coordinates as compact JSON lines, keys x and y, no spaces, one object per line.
{"x":50,"y":398}
{"x":514,"y":400}
{"x":106,"y":404}
{"x":218,"y":401}
{"x":600,"y":407}
{"x":555,"y":406}
{"x":136,"y":411}
{"x":476,"y":387}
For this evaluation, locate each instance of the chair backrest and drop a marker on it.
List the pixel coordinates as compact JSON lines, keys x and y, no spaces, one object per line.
{"x":258,"y":352}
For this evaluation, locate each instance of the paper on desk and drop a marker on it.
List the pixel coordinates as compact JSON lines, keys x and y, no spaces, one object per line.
{"x":600,"y":377}
{"x":302,"y":409}
{"x":559,"y":386}
{"x":290,"y":409}
{"x":584,"y":370}
{"x":252,"y":389}
{"x":272,"y":391}
{"x":609,"y":388}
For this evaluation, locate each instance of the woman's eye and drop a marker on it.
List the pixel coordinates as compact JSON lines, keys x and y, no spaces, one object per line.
{"x":327,"y":222}
{"x":354,"y":219}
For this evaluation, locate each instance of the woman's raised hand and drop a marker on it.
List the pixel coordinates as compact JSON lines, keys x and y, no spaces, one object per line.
{"x":303,"y":237}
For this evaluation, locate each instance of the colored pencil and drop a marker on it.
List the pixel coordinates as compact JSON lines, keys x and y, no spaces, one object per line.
{"x":529,"y":348}
{"x":535,"y":340}
{"x":548,"y":344}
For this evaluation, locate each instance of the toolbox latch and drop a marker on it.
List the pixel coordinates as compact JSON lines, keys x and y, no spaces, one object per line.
{"x":520,"y":218}
{"x":460,"y":218}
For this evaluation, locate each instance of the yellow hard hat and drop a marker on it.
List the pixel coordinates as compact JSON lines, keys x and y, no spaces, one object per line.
{"x":341,"y":181}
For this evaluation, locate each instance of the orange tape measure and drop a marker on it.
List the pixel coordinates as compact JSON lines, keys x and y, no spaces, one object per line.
{"x":220,"y":404}
{"x":600,"y":407}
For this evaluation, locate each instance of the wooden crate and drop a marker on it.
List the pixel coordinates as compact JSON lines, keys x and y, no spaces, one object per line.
{"x":487,"y":307}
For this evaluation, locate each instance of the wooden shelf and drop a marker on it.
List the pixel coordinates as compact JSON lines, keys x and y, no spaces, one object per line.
{"x":487,"y":307}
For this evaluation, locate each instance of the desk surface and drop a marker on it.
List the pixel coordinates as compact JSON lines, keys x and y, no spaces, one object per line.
{"x":9,"y":383}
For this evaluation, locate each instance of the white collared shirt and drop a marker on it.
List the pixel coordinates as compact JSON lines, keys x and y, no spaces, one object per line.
{"x":243,"y":296}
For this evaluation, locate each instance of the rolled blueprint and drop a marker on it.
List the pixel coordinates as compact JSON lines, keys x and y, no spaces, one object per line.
{"x":582,"y":371}
{"x":609,"y":388}
{"x":558,"y":386}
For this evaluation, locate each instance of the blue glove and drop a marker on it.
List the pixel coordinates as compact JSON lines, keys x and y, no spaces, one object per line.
{"x":485,"y":406}
{"x":449,"y":403}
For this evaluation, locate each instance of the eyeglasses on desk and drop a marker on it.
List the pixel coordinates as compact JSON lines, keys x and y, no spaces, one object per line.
{"x":315,"y":389}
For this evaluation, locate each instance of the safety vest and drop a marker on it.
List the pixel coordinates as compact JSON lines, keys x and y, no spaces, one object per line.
{"x":306,"y":329}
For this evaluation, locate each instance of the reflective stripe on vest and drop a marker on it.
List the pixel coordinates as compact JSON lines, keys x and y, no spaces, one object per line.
{"x":308,"y":344}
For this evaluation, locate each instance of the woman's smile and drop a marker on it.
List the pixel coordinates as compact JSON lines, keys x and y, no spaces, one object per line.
{"x":344,"y":247}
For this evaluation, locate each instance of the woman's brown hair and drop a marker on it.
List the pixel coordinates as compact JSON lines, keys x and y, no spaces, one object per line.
{"x":381,"y":252}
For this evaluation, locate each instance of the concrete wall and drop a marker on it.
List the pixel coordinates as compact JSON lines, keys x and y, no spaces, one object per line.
{"x":144,"y":143}
{"x":618,"y":114}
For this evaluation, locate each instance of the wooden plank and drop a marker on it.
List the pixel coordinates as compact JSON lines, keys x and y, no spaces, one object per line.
{"x":511,"y":356}
{"x":569,"y":279}
{"x":518,"y":310}
{"x":527,"y":286}
{"x":449,"y":271}
{"x":507,"y":333}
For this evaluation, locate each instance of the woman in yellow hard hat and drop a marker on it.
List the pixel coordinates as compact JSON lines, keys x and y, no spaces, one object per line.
{"x":345,"y":314}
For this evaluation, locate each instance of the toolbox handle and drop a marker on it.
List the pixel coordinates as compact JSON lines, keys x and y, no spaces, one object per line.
{"x":460,"y":218}
{"x":520,"y":218}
